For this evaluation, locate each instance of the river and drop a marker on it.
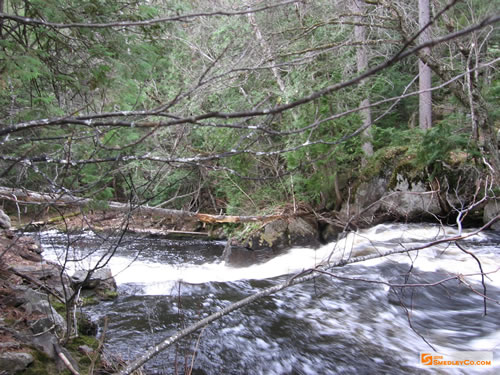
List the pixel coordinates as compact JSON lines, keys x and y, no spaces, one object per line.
{"x":326,"y":326}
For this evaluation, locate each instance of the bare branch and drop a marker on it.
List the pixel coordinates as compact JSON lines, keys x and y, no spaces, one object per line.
{"x":125,"y":24}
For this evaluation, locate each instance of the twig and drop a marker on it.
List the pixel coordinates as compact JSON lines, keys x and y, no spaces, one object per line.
{"x":99,"y":347}
{"x":480,"y":268}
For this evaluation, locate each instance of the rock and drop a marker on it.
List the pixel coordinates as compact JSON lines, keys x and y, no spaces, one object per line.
{"x":492,"y":210}
{"x":4,"y":220}
{"x":49,"y":344}
{"x":285,"y":233}
{"x":375,"y":202}
{"x":239,"y":256}
{"x":85,"y":325}
{"x":48,"y":274}
{"x":100,"y":281}
{"x":410,"y":201}
{"x":85,"y":349}
{"x":36,"y":303}
{"x":303,"y":233}
{"x":330,"y":233}
{"x":13,"y":362}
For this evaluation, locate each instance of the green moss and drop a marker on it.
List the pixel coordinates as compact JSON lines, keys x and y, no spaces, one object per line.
{"x":108,"y":295}
{"x":382,"y":161}
{"x":82,"y":359}
{"x":88,"y":301}
{"x":42,"y":365}
{"x":76,"y":342}
{"x":59,"y":307}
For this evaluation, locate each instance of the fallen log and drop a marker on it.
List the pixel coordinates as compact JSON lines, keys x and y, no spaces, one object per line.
{"x":24,"y":196}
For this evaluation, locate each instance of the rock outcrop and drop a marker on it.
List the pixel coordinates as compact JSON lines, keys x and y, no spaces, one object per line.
{"x":271,"y":239}
{"x":376,"y":201}
{"x":30,"y":325}
{"x":99,"y":283}
{"x":492,"y":210}
{"x":4,"y":220}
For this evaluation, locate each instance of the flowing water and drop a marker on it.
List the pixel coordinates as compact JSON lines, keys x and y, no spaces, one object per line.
{"x":326,"y":326}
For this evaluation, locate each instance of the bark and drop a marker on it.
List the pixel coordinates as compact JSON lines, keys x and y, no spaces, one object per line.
{"x":24,"y":196}
{"x":425,"y":79}
{"x":362,"y":65}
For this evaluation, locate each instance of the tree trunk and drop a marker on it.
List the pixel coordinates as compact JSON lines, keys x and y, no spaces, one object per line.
{"x":362,"y":65}
{"x":425,"y":82}
{"x":23,"y":196}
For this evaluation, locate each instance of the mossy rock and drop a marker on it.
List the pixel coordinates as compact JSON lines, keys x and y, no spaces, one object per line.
{"x":42,"y":365}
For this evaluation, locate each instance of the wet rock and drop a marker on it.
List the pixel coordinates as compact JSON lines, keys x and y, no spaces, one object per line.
{"x":284,"y":234}
{"x":330,"y":233}
{"x":4,"y":220}
{"x":239,"y":256}
{"x":101,"y":282}
{"x":14,"y":362}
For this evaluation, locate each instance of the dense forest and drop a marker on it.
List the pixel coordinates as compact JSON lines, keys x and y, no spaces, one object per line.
{"x":244,"y":107}
{"x":299,"y":115}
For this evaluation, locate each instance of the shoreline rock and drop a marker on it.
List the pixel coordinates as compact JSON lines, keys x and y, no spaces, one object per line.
{"x":31,"y":323}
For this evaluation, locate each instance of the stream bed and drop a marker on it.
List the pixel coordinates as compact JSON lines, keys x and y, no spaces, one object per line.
{"x":326,"y":326}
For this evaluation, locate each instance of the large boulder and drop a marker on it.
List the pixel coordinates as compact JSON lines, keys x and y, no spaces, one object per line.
{"x":4,"y":220}
{"x":285,"y":233}
{"x":48,"y":274}
{"x":41,"y":314}
{"x":272,"y":239}
{"x":14,"y":362}
{"x":100,"y":282}
{"x":376,"y":201}
{"x":239,"y":256}
{"x":492,"y":210}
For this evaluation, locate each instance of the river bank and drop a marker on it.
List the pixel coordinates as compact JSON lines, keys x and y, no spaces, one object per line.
{"x":35,"y":295}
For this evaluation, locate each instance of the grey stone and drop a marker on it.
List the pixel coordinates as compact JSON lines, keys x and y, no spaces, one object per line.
{"x":492,"y":210}
{"x":47,"y":343}
{"x":410,"y":201}
{"x":374,"y":202}
{"x":85,"y":349}
{"x":100,"y":284}
{"x":49,"y":274}
{"x":13,"y":362}
{"x":4,"y":220}
{"x":37,"y":303}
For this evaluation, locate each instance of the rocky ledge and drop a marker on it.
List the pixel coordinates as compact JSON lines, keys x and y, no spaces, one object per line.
{"x":34,"y":334}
